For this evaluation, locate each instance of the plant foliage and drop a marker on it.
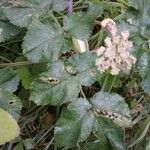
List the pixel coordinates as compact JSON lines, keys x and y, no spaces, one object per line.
{"x":55,"y":92}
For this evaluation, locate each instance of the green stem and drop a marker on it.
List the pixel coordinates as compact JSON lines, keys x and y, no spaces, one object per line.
{"x":114,"y":79}
{"x":56,"y":21}
{"x":105,"y":83}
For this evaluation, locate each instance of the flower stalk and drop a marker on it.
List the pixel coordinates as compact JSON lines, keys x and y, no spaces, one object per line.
{"x":70,"y":7}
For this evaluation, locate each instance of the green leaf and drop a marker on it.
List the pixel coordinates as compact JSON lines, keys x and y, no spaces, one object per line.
{"x":137,"y":17}
{"x":25,"y":76}
{"x":8,"y":127}
{"x":146,"y":85}
{"x":141,"y":133}
{"x":143,"y":67}
{"x":75,"y":124}
{"x":9,"y":79}
{"x":84,"y":65}
{"x":79,"y":120}
{"x":106,"y":131}
{"x":95,"y":145}
{"x":59,"y":5}
{"x":95,"y":9}
{"x":19,"y":146}
{"x":49,"y":43}
{"x":112,"y":106}
{"x":45,"y":89}
{"x":7,"y":30}
{"x":10,"y":103}
{"x":136,"y":3}
{"x":27,"y":11}
{"x":3,"y":3}
{"x":79,"y":25}
{"x":65,"y":77}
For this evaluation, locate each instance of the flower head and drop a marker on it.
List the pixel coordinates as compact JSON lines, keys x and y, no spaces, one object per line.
{"x":115,"y":55}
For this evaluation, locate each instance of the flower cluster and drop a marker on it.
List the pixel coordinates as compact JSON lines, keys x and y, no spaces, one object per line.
{"x":115,"y":55}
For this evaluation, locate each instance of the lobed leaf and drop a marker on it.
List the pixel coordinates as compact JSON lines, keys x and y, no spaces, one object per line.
{"x":112,"y":106}
{"x":109,"y":133}
{"x":75,"y":124}
{"x":63,"y":80}
{"x":136,"y":17}
{"x":111,"y":102}
{"x":79,"y":25}
{"x":27,"y":11}
{"x":7,"y":30}
{"x":79,"y":120}
{"x":49,"y":43}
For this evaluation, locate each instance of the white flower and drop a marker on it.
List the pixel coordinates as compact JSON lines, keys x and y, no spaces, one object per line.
{"x":100,"y":51}
{"x":115,"y":56}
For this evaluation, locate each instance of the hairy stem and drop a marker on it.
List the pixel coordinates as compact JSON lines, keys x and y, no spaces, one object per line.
{"x":70,"y":7}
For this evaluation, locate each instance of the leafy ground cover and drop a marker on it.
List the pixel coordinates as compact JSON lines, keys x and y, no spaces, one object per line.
{"x":54,"y":94}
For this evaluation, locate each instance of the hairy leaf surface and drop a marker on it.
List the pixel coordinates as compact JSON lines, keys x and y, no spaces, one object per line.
{"x":10,"y":103}
{"x":143,"y":67}
{"x":112,"y":106}
{"x":109,"y":133}
{"x":75,"y":124}
{"x":49,"y":45}
{"x":79,"y":25}
{"x":136,"y":19}
{"x":26,"y":11}
{"x":9,"y":79}
{"x":62,"y":82}
{"x":79,"y":120}
{"x":7,"y":30}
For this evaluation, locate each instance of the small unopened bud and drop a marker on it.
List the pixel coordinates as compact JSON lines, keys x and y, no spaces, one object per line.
{"x":110,"y":26}
{"x":80,"y":45}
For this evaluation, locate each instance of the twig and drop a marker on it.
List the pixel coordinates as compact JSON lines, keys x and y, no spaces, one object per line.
{"x":49,"y":144}
{"x":98,"y":22}
{"x":81,"y":90}
{"x":16,"y":64}
{"x":5,"y":59}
